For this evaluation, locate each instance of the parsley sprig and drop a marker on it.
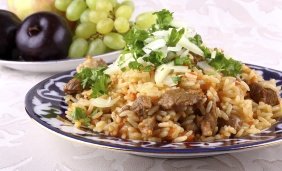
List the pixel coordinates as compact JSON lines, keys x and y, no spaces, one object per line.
{"x":157,"y":58}
{"x":135,"y":42}
{"x":221,"y":63}
{"x":180,"y":61}
{"x":176,"y":79}
{"x":80,"y":114}
{"x":197,"y":40}
{"x":94,"y":78}
{"x":175,"y":36}
{"x":164,"y":18}
{"x":229,"y":67}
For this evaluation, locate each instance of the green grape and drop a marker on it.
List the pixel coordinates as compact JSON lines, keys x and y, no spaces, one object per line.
{"x":129,"y":3}
{"x":96,"y":47}
{"x":75,"y":9}
{"x":85,"y":16}
{"x":62,"y":5}
{"x":104,"y":5}
{"x":124,"y":11}
{"x":121,"y":25}
{"x":114,"y":3}
{"x":108,"y":50}
{"x":91,"y":4}
{"x":95,"y":16}
{"x":85,"y":30}
{"x":78,"y":48}
{"x":145,"y":20}
{"x":105,"y":26}
{"x":114,"y":41}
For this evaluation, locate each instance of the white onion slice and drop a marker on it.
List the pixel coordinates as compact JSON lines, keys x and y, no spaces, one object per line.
{"x":206,"y":67}
{"x":162,"y":72}
{"x":103,"y":103}
{"x":161,"y":34}
{"x":184,"y":42}
{"x":154,"y":45}
{"x":179,"y":69}
{"x":174,"y":49}
{"x":112,"y":69}
{"x":169,"y":82}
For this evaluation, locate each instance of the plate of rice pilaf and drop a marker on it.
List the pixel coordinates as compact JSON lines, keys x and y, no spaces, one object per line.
{"x":166,"y":95}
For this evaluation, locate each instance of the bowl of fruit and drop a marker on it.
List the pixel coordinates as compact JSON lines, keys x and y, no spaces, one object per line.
{"x":56,"y":35}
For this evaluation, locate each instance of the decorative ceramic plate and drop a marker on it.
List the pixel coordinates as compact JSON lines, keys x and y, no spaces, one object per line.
{"x":55,"y":65}
{"x":45,"y":104}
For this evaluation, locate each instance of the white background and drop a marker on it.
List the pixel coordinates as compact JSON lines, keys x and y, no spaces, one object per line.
{"x":249,"y":30}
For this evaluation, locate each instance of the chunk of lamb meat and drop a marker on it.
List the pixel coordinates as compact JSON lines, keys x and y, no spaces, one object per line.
{"x":192,"y":127}
{"x":260,"y":94}
{"x":141,"y":104}
{"x":233,"y":121}
{"x":91,"y":63}
{"x":147,"y":126}
{"x":208,"y":122}
{"x":73,"y":87}
{"x":196,"y":58}
{"x":179,"y":99}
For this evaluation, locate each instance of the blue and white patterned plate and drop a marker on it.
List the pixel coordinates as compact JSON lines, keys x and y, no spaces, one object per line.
{"x":45,"y":104}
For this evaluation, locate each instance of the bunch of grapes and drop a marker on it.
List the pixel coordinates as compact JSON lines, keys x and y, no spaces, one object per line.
{"x":100,"y":24}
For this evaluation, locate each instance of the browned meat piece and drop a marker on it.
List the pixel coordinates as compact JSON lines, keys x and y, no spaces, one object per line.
{"x":192,"y":127}
{"x":196,"y":58}
{"x":73,"y":87}
{"x":141,"y":104}
{"x":124,"y":108}
{"x":91,"y":63}
{"x":261,"y":94}
{"x":233,"y":121}
{"x":147,"y":126}
{"x":208,"y":122}
{"x":97,"y":63}
{"x":179,"y":99}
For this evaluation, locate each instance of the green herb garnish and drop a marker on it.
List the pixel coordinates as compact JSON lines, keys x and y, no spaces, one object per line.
{"x":175,"y":79}
{"x":207,"y":52}
{"x":197,"y":40}
{"x":148,"y":68}
{"x":182,"y":61}
{"x":94,"y":79}
{"x":85,"y":77}
{"x":80,"y":114}
{"x":164,"y":19}
{"x":135,"y":42}
{"x":100,"y":86}
{"x":228,"y":67}
{"x":175,"y":36}
{"x":135,"y":65}
{"x":157,"y":58}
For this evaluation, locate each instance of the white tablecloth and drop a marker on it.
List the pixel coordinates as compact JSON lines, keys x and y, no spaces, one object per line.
{"x":249,"y":30}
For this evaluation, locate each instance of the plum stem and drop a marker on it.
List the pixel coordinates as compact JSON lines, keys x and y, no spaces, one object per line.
{"x":34,"y":30}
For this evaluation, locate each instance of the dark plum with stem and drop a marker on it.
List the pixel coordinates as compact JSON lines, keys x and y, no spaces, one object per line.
{"x":44,"y":36}
{"x":9,"y":24}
